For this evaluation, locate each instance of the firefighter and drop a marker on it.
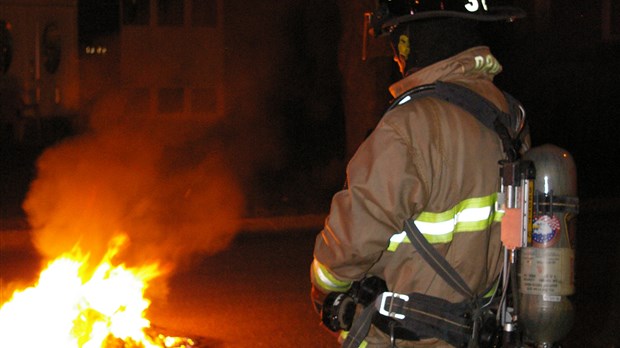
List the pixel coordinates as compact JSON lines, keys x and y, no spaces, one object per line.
{"x":427,"y":161}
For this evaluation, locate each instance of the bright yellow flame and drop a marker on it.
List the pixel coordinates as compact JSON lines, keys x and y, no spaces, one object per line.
{"x":64,"y":310}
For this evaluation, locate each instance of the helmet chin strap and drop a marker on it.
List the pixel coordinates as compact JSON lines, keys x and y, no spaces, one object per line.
{"x":402,"y":65}
{"x":401,"y":56}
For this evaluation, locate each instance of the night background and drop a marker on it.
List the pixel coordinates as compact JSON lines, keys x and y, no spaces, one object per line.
{"x":299,"y":100}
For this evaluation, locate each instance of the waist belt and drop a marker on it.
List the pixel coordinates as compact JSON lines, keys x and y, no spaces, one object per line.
{"x":414,"y":316}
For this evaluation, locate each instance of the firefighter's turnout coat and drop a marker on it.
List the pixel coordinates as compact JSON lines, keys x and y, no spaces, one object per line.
{"x":430,"y":161}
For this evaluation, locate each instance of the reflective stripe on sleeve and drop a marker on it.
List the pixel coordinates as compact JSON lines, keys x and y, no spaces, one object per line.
{"x":473,"y":214}
{"x":326,"y":280}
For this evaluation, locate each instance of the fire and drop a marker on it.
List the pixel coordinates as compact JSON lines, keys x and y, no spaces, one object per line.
{"x":73,"y":305}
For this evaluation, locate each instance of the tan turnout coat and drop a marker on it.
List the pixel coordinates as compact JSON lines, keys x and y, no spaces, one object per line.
{"x":428,"y":160}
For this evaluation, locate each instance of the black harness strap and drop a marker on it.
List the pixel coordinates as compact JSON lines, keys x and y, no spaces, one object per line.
{"x":454,"y":328}
{"x":419,"y":314}
{"x":436,"y":260}
{"x":485,"y":111}
{"x":359,"y":329}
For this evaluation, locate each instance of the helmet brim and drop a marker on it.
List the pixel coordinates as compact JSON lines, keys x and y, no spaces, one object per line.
{"x":495,"y":14}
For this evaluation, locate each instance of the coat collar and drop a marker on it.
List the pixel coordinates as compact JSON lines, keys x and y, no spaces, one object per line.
{"x":476,"y":61}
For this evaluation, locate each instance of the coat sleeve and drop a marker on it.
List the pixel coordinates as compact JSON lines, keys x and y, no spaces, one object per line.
{"x":384,"y":187}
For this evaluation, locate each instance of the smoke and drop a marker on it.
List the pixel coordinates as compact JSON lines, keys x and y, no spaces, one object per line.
{"x":164,"y":184}
{"x":179,"y":187}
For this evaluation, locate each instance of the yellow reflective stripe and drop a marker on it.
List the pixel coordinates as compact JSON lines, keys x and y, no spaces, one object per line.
{"x":442,"y":238}
{"x":498,"y":215}
{"x":473,"y":214}
{"x":326,"y":280}
{"x":344,"y":334}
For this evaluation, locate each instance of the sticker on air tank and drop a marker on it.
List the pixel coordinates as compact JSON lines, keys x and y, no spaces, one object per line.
{"x":545,"y":231}
{"x":547,"y":271}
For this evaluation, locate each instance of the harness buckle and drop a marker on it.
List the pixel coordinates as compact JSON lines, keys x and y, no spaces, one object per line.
{"x":392,"y":296}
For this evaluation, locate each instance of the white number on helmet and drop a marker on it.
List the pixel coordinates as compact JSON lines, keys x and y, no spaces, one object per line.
{"x":474,"y":5}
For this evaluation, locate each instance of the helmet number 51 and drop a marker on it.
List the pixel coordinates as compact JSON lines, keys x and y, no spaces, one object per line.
{"x":474,"y":5}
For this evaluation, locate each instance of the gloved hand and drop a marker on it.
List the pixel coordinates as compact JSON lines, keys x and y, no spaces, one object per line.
{"x":318,"y":298}
{"x":338,"y":311}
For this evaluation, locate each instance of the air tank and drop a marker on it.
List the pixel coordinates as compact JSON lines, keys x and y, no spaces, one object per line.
{"x":547,"y":264}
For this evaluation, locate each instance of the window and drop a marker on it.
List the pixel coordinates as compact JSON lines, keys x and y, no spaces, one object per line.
{"x":170,"y":100}
{"x":136,"y":12}
{"x":204,"y":13}
{"x":6,"y":46}
{"x":204,"y":100}
{"x":170,"y":12}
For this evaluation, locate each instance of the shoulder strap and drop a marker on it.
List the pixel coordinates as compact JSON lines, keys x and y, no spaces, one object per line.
{"x":478,"y":106}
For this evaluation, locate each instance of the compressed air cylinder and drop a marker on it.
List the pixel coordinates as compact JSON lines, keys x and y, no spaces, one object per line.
{"x":547,"y":264}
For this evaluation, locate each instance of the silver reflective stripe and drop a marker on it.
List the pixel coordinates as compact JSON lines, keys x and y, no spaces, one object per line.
{"x":326,"y":280}
{"x":473,"y":214}
{"x":405,"y":99}
{"x":435,"y":228}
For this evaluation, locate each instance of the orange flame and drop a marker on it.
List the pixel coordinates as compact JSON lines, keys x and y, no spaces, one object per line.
{"x":69,"y":307}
